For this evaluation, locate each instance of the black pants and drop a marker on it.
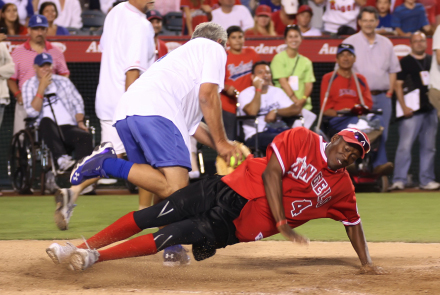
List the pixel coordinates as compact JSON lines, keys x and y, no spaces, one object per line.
{"x":74,"y":139}
{"x":200,"y":214}
{"x":230,"y":123}
{"x":264,"y":139}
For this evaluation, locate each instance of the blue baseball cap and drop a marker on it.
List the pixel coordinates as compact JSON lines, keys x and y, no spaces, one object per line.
{"x":345,"y":47}
{"x":38,"y":20}
{"x":43,"y":58}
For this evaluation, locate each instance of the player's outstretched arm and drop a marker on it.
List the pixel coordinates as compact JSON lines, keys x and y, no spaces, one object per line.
{"x":272,"y":179}
{"x":357,"y":238}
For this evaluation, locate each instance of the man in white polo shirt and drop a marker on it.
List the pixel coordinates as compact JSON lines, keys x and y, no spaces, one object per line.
{"x":128,"y":49}
{"x":157,"y":115}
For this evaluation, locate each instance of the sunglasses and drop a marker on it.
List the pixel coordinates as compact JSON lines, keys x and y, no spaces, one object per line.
{"x":361,"y":138}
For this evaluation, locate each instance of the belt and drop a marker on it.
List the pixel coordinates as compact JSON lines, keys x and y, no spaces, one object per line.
{"x":377,"y":92}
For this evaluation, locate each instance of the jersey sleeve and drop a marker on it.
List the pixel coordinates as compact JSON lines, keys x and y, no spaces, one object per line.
{"x":214,"y":64}
{"x":345,"y":210}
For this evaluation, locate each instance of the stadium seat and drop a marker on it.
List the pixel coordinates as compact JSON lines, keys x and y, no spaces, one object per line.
{"x":92,"y":18}
{"x":172,"y":22}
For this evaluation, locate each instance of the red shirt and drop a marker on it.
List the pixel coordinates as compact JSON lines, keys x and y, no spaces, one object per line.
{"x":238,"y":74}
{"x":343,"y":93}
{"x":310,"y":189}
{"x":161,"y":49}
{"x":278,"y":23}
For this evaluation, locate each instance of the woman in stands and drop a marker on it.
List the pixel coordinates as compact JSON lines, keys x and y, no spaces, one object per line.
{"x":9,"y":21}
{"x":263,"y":23}
{"x":50,"y":11}
{"x":194,"y":13}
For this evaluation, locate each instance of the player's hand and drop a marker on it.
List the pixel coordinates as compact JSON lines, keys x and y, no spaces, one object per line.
{"x":407,"y":112}
{"x":257,"y":82}
{"x":227,"y":149}
{"x":371,"y":269}
{"x":270,"y":117}
{"x":292,"y":235}
{"x":82,"y":126}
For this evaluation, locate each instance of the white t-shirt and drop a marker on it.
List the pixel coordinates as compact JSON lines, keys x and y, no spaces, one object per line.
{"x":313,"y":32}
{"x":338,"y":13}
{"x":170,"y":87}
{"x":434,"y":74}
{"x":127,"y":43}
{"x":275,"y":98}
{"x":239,"y":16}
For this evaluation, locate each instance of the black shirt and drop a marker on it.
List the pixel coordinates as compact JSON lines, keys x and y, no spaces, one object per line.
{"x":410,"y":74}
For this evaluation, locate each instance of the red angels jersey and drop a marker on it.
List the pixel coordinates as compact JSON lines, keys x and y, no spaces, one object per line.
{"x":310,"y":189}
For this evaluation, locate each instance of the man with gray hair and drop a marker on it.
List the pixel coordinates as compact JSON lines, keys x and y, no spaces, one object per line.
{"x":157,"y":115}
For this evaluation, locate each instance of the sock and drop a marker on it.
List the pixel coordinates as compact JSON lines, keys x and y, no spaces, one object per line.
{"x":118,"y":168}
{"x":121,"y":229}
{"x":140,"y":246}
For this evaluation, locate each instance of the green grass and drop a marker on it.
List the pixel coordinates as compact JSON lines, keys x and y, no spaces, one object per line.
{"x":404,"y":217}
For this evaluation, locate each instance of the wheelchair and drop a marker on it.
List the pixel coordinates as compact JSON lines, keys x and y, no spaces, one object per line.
{"x":30,"y":162}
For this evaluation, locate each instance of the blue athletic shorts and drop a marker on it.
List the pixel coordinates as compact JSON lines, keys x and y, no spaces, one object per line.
{"x":153,"y":140}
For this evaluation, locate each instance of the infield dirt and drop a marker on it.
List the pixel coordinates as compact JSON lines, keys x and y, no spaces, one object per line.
{"x":267,"y":267}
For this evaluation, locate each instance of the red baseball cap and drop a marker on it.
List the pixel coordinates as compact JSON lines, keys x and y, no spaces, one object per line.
{"x":263,"y":10}
{"x":305,"y":8}
{"x":353,"y":135}
{"x":153,"y":14}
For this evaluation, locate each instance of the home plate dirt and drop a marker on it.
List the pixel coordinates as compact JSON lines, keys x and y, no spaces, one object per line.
{"x":254,"y":268}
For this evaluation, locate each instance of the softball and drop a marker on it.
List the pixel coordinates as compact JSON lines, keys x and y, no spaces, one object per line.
{"x":232,"y":162}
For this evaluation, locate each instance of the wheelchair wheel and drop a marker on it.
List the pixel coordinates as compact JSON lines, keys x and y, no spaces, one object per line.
{"x":383,"y":183}
{"x":21,"y":164}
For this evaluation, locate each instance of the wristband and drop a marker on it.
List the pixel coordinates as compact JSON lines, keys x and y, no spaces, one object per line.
{"x":389,"y":93}
{"x":39,"y":96}
{"x":17,"y":93}
{"x":282,"y":222}
{"x":304,"y":97}
{"x":258,"y":89}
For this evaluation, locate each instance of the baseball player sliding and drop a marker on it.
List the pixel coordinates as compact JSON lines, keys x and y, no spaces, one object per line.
{"x":300,"y":179}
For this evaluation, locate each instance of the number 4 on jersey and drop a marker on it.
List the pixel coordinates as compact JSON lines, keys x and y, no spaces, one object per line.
{"x":300,"y":206}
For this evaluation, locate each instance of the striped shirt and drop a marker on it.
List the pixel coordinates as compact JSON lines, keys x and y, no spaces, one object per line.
{"x":66,"y":103}
{"x":23,"y":57}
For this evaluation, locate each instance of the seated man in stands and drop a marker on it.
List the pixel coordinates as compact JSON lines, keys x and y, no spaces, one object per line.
{"x":343,"y":94}
{"x":269,"y":104}
{"x":59,"y":109}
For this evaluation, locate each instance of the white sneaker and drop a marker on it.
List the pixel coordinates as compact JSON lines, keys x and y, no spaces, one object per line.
{"x":398,"y":185}
{"x":83,"y":258}
{"x":64,"y":208}
{"x":60,"y":253}
{"x":64,"y":163}
{"x":432,"y":185}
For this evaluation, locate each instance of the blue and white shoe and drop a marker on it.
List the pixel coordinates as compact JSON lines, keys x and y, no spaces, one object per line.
{"x":91,"y":166}
{"x":175,"y":256}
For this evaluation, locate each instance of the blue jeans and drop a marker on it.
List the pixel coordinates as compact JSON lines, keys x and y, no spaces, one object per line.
{"x":423,"y":126}
{"x":381,"y":101}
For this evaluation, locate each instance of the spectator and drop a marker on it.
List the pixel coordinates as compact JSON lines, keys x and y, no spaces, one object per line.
{"x":409,"y":18}
{"x":434,"y":74}
{"x":384,"y":27}
{"x":294,"y":72}
{"x":195,"y":12}
{"x":59,"y":110}
{"x":237,"y":76}
{"x":268,"y":103}
{"x":393,"y":4}
{"x":6,"y":71}
{"x":49,"y":10}
{"x":303,"y":18}
{"x":274,"y":5}
{"x":431,"y":7}
{"x":25,"y":9}
{"x":9,"y":20}
{"x":69,"y":13}
{"x":421,"y":123}
{"x":340,"y":13}
{"x":166,"y":6}
{"x":155,"y":18}
{"x":263,"y":25}
{"x":229,"y":14}
{"x":285,"y":16}
{"x":377,"y":62}
{"x":343,"y":95}
{"x":23,"y":57}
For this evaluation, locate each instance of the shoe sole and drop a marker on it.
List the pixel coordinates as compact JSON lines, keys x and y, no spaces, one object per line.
{"x":60,"y":221}
{"x":76,"y":262}
{"x":96,"y":151}
{"x":52,"y":256}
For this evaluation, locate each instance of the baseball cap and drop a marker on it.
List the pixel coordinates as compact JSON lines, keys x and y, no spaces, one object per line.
{"x":290,"y":6}
{"x":353,"y":135}
{"x":38,"y":20}
{"x":305,"y":8}
{"x":42,"y":59}
{"x":263,"y":10}
{"x":152,"y":14}
{"x":345,"y":47}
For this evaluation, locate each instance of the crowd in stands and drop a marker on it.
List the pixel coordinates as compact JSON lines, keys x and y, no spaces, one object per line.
{"x":276,"y":92}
